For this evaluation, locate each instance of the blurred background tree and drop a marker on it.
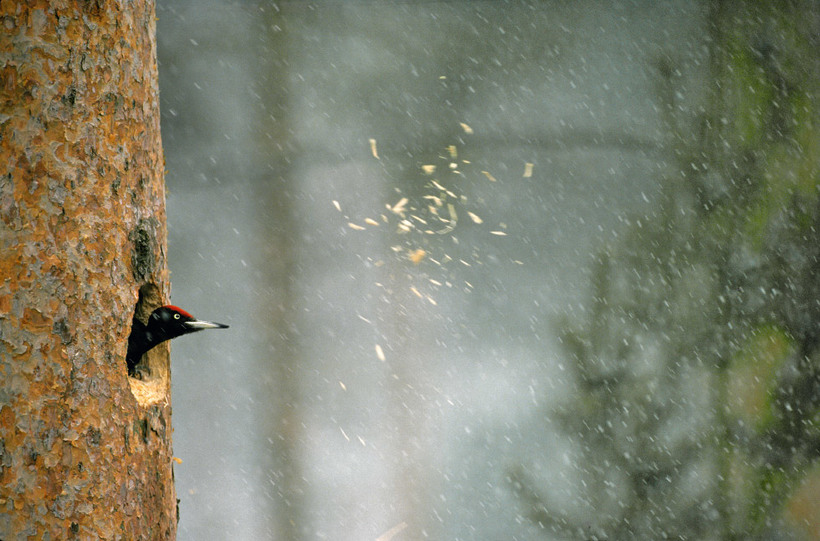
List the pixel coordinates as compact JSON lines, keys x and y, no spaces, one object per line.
{"x":696,"y":411}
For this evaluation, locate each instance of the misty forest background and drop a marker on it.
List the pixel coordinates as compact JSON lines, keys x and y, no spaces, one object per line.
{"x":495,"y":270}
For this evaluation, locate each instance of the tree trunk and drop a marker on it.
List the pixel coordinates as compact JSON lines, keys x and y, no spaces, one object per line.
{"x":85,"y":452}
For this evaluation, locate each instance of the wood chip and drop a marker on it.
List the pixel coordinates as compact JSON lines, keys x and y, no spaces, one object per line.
{"x":528,"y":170}
{"x":416,"y":256}
{"x":398,"y":208}
{"x":373,"y":148}
{"x":488,"y":175}
{"x":380,"y":353}
{"x":467,"y":129}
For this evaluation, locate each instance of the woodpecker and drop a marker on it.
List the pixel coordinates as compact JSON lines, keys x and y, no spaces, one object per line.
{"x":164,"y":323}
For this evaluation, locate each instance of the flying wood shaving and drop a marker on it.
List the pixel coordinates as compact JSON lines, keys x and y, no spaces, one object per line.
{"x":415,"y":291}
{"x":428,"y":169}
{"x":417,"y":255}
{"x":176,"y":459}
{"x":475,"y":218}
{"x":443,"y":189}
{"x":453,"y":151}
{"x":391,"y":533}
{"x":370,"y":221}
{"x":452,"y":221}
{"x":528,"y":170}
{"x":488,"y":175}
{"x":342,"y":385}
{"x":398,"y":208}
{"x":337,"y":205}
{"x":499,"y":233}
{"x":380,"y":353}
{"x":343,"y":433}
{"x":467,"y":129}
{"x":355,"y":227}
{"x":373,"y":149}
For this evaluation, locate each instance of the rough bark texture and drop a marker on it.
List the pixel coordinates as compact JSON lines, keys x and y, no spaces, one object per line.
{"x":84,"y":452}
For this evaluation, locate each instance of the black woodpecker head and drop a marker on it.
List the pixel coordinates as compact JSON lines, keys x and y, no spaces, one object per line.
{"x":164,"y":323}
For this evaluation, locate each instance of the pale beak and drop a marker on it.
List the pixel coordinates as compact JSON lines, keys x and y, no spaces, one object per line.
{"x":199,"y":325}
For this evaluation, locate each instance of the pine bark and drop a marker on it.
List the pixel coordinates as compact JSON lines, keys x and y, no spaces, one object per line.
{"x":85,"y":452}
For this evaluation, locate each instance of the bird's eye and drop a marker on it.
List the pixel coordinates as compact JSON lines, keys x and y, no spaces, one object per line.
{"x":176,"y":316}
